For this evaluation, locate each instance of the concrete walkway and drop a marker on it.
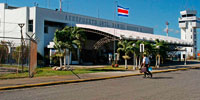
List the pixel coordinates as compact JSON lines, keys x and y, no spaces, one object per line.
{"x":53,"y":80}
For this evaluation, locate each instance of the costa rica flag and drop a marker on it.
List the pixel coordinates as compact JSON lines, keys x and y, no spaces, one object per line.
{"x":122,"y":11}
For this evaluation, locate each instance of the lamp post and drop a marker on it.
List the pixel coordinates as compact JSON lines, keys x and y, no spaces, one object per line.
{"x":134,"y":58}
{"x":21,"y":25}
{"x":185,"y":57}
{"x":141,"y":52}
{"x":158,"y":59}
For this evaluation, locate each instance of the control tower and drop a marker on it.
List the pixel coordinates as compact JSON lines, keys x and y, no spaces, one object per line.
{"x":189,"y":22}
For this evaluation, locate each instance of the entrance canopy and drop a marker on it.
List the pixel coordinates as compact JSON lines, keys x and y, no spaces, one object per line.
{"x":133,"y":35}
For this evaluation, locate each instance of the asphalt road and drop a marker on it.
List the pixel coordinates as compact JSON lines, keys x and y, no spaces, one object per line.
{"x":179,"y":85}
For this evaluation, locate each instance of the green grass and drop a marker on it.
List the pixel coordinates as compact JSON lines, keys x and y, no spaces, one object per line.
{"x":47,"y":71}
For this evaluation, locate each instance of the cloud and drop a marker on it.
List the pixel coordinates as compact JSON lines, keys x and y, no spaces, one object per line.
{"x":177,"y":31}
{"x":156,"y":26}
{"x":171,"y":30}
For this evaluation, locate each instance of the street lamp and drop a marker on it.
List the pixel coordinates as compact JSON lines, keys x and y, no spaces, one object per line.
{"x":141,"y":51}
{"x":158,"y":60}
{"x":21,"y":25}
{"x":185,"y":57}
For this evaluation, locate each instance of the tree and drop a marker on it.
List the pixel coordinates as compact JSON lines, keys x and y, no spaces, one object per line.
{"x":126,"y":47}
{"x":69,"y":38}
{"x":58,"y":45}
{"x":148,"y":47}
{"x":161,"y":49}
{"x":136,"y":51}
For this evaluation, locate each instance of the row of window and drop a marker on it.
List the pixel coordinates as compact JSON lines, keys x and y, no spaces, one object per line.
{"x":190,"y":21}
{"x":30,"y":27}
{"x":188,"y":15}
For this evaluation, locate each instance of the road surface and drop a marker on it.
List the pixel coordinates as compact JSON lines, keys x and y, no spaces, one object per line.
{"x":179,"y":85}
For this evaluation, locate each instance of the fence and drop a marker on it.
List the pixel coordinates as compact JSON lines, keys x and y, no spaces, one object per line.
{"x":16,"y":52}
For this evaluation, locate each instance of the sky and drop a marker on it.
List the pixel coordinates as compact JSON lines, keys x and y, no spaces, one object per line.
{"x":150,"y":13}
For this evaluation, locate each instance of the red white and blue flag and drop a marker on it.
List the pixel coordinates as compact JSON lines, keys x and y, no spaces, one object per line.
{"x":122,"y":11}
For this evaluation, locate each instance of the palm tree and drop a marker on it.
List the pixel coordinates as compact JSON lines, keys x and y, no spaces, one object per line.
{"x":148,"y":47}
{"x":126,"y":47}
{"x":58,"y":46}
{"x":161,"y":49}
{"x":136,"y":51}
{"x":70,"y":38}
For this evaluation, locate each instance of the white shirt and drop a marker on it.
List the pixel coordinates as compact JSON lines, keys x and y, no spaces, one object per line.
{"x":146,"y":60}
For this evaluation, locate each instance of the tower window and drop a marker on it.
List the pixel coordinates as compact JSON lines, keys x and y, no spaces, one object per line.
{"x":195,"y":30}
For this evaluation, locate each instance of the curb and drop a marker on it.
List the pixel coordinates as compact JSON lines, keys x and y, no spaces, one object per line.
{"x":85,"y":80}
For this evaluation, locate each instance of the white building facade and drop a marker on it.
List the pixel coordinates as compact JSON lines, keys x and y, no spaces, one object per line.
{"x":189,"y":22}
{"x":43,"y":22}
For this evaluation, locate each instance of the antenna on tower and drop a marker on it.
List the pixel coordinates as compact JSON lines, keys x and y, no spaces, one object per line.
{"x":167,"y":28}
{"x":60,"y":5}
{"x":48,"y":3}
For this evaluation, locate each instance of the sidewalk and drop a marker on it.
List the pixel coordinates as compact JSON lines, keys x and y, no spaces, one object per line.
{"x":53,"y":80}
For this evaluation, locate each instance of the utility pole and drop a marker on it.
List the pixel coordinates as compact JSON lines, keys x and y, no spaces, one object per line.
{"x":114,"y":47}
{"x":167,"y":28}
{"x":60,"y":5}
{"x":21,"y":25}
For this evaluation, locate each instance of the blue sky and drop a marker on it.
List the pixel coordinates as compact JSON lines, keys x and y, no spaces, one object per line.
{"x":151,"y":13}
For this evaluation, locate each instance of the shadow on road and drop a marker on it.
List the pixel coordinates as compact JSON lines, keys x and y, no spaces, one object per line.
{"x":162,"y":78}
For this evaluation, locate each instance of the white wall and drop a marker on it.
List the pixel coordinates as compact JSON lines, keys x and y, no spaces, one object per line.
{"x":188,"y":35}
{"x":12,"y":18}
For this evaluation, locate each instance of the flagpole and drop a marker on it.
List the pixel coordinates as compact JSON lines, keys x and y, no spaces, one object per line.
{"x":114,"y":30}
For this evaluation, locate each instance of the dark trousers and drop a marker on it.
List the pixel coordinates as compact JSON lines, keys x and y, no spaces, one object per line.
{"x":147,"y":71}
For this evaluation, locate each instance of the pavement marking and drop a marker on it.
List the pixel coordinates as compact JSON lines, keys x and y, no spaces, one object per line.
{"x":86,"y":80}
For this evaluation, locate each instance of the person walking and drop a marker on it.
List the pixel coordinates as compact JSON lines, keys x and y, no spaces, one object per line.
{"x":146,"y":64}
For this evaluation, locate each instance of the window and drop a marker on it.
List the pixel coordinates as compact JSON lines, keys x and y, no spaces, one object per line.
{"x":181,"y":21}
{"x":66,"y":17}
{"x":46,"y":29}
{"x":113,"y":25}
{"x":191,"y":50}
{"x":76,"y":18}
{"x":195,"y":36}
{"x":79,"y":20}
{"x":90,"y":21}
{"x":83,"y":20}
{"x":86,"y":21}
{"x":73,"y":18}
{"x":191,"y":36}
{"x":117,"y":25}
{"x":195,"y":30}
{"x":183,"y":15}
{"x":30,"y":25}
{"x":69,"y":18}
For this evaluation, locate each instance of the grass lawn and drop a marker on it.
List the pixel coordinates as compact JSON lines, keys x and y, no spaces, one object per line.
{"x":47,"y":71}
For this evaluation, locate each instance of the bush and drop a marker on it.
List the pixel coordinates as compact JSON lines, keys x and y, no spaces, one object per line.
{"x":3,"y":52}
{"x":55,"y":59}
{"x":17,"y":54}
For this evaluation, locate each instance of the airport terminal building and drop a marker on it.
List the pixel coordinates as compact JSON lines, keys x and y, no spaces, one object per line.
{"x":43,"y":22}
